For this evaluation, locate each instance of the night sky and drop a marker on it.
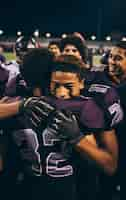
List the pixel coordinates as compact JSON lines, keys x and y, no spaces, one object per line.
{"x":91,"y":16}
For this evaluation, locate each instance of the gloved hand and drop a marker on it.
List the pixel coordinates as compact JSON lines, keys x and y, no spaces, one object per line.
{"x":65,"y":126}
{"x":36,"y":110}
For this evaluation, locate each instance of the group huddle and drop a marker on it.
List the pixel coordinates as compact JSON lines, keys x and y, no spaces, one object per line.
{"x":60,"y":125}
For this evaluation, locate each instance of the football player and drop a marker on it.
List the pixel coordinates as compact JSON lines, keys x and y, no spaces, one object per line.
{"x":66,"y":84}
{"x":22,"y":45}
{"x":16,"y":84}
{"x":10,"y":107}
{"x":74,"y":45}
{"x":65,"y":90}
{"x":117,"y":74}
{"x":54,"y":47}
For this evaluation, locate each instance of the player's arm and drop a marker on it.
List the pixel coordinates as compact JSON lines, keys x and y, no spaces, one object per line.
{"x":9,"y":109}
{"x":35,"y":109}
{"x":105,"y":156}
{"x":65,"y":126}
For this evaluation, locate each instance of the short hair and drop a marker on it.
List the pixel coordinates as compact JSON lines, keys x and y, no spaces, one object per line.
{"x":54,"y":42}
{"x":78,"y":43}
{"x":69,"y":63}
{"x":36,"y":67}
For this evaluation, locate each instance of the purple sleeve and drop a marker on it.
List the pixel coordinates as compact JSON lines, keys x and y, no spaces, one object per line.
{"x":112,"y":101}
{"x":16,"y":86}
{"x":11,"y":88}
{"x":111,"y":96}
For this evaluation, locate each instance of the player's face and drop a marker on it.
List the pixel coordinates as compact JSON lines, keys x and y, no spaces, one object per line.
{"x":71,"y":50}
{"x":65,"y":85}
{"x":54,"y":49}
{"x":117,"y":62}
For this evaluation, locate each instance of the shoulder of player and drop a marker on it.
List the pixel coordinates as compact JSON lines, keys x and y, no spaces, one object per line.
{"x":107,"y":92}
{"x":89,"y":104}
{"x":98,"y":68}
{"x":99,"y":88}
{"x":92,"y":115}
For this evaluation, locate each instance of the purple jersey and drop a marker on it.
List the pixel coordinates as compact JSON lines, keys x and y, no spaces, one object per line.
{"x":39,"y":156}
{"x":108,"y":99}
{"x":82,"y":107}
{"x":43,"y":152}
{"x":16,"y":87}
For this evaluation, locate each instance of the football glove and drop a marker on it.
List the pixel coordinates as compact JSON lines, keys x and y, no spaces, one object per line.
{"x":36,"y":110}
{"x":65,"y":126}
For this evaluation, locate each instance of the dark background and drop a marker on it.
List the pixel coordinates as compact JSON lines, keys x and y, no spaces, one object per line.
{"x":98,"y":17}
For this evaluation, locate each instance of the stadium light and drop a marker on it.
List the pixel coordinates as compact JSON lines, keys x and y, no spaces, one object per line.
{"x":36,"y":33}
{"x":123,"y":38}
{"x":64,"y":35}
{"x":1,"y":32}
{"x":19,"y":33}
{"x":93,"y":37}
{"x":108,"y":38}
{"x":48,"y":35}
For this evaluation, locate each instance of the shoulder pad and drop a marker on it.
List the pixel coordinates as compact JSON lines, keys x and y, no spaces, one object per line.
{"x":100,"y":88}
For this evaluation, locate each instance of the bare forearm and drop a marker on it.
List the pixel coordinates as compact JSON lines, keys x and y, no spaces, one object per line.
{"x":8,"y":110}
{"x":103,"y":158}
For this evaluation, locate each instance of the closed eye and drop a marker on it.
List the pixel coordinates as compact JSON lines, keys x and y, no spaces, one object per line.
{"x":68,"y":86}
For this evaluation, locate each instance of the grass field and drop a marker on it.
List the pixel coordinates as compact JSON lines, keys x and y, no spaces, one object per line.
{"x":11,"y":56}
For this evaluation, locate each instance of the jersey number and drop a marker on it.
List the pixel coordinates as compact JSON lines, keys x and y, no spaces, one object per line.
{"x":55,"y":163}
